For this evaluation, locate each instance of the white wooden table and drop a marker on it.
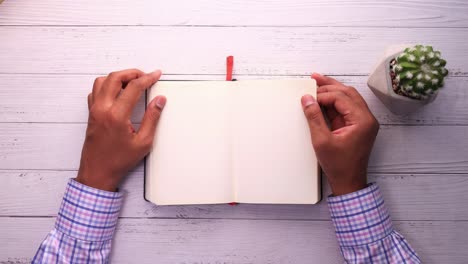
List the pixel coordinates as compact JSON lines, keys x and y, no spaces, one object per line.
{"x":51,"y":51}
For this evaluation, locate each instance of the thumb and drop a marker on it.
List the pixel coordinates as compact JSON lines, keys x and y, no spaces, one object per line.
{"x":317,"y":125}
{"x":150,"y":120}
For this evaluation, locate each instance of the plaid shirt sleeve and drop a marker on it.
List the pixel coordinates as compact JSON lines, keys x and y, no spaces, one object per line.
{"x":84,"y":227}
{"x":364,"y":229}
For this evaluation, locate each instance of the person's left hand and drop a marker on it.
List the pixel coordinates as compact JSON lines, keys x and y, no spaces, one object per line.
{"x":112,"y":146}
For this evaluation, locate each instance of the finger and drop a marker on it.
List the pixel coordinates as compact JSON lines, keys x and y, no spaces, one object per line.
{"x":97,"y":86}
{"x":324,"y":80}
{"x":115,"y":82}
{"x":340,"y":101}
{"x":337,"y":121}
{"x":147,"y":129}
{"x":331,"y":113}
{"x":348,"y":90}
{"x":319,"y":130}
{"x":135,"y":88}
{"x":90,"y":101}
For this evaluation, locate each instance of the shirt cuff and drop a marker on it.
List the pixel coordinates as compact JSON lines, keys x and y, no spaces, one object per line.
{"x":87,"y":213}
{"x":360,"y":217}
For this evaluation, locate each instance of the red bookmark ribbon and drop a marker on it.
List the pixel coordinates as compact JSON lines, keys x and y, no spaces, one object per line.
{"x":229,"y":67}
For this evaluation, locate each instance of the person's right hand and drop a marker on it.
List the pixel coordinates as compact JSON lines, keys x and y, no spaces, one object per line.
{"x":343,"y":150}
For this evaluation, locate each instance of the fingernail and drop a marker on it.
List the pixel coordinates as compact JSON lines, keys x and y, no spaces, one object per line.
{"x":160,"y":102}
{"x":156,"y":72}
{"x":307,"y":100}
{"x":316,"y":74}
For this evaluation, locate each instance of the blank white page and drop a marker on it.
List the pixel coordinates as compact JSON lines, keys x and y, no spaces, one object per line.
{"x":273,"y":158}
{"x":190,"y":162}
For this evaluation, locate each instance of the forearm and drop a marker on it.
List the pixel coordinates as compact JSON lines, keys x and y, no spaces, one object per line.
{"x":84,"y":227}
{"x":364,"y":229}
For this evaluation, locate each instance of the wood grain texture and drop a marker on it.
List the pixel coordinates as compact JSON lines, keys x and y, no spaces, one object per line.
{"x":408,"y":197}
{"x":366,"y":13}
{"x":51,"y":50}
{"x":202,"y":50}
{"x":398,"y":149}
{"x":234,"y":241}
{"x":62,"y":98}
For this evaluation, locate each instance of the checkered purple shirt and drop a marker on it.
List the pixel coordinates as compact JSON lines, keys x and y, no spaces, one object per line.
{"x":364,"y":229}
{"x":87,"y":219}
{"x":84,"y":227}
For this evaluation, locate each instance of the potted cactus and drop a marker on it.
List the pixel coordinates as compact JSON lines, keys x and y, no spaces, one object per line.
{"x":408,"y":77}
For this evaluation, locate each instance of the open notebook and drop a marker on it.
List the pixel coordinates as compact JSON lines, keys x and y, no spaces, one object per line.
{"x":241,"y":141}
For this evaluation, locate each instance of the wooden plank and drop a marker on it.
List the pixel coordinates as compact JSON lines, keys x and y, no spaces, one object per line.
{"x":408,"y":197}
{"x":62,"y":98}
{"x":238,"y":13}
{"x":420,"y":150}
{"x":234,"y":241}
{"x":398,"y":149}
{"x":202,"y":50}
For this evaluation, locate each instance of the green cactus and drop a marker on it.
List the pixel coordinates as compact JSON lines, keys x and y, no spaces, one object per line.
{"x":418,"y":72}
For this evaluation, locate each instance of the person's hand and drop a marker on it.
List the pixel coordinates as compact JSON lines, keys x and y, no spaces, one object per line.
{"x":342,"y":150}
{"x":112,"y":146}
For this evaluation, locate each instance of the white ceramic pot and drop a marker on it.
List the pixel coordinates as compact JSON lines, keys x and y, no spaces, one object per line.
{"x":380,"y":83}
